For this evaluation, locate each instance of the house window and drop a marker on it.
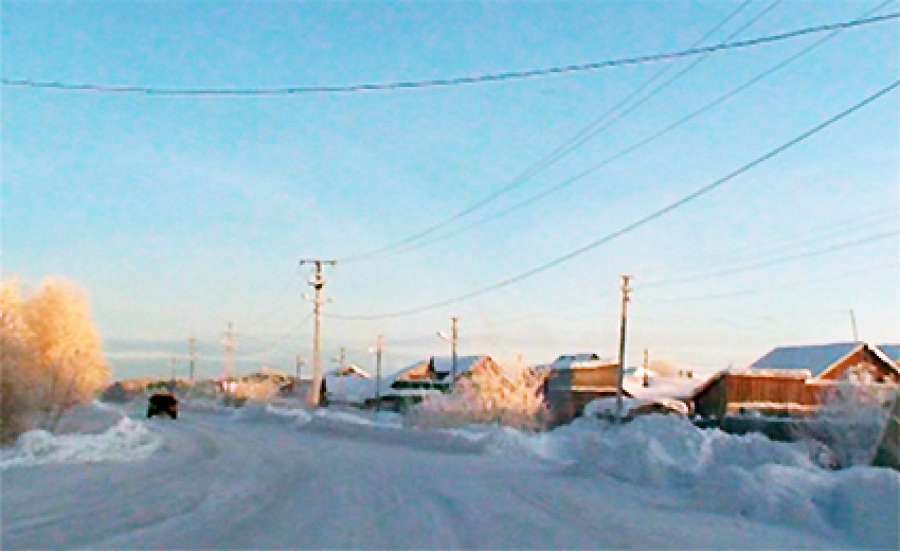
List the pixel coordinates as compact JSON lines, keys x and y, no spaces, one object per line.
{"x":862,"y":373}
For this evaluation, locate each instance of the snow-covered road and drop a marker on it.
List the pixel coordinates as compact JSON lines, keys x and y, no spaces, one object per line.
{"x":267,"y":482}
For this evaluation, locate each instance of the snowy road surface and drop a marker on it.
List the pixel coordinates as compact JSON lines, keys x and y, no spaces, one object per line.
{"x":270,"y":483}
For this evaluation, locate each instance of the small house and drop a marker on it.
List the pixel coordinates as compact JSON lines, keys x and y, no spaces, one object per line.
{"x":793,"y":380}
{"x":573,"y":380}
{"x":846,"y":361}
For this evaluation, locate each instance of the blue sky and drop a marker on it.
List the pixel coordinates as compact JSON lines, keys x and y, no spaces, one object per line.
{"x":180,"y":214}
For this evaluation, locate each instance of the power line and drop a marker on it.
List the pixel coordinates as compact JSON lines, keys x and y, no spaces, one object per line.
{"x":586,"y":303}
{"x":640,"y":222}
{"x":442,"y":82}
{"x":785,"y":244}
{"x":279,"y":342}
{"x":780,"y":286}
{"x":415,"y":241}
{"x":773,"y":262}
{"x":580,"y":138}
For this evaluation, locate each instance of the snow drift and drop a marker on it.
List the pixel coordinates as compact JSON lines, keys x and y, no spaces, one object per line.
{"x":126,"y":441}
{"x":746,"y":475}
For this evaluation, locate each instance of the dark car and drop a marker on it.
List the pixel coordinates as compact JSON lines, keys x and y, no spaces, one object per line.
{"x":163,"y":403}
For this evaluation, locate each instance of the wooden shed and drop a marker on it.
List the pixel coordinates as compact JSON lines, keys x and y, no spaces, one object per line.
{"x":575,"y":380}
{"x":773,"y":391}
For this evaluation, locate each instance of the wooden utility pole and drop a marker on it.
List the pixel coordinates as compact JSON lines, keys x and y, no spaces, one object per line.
{"x":342,"y":359}
{"x":317,"y":282}
{"x":192,"y":357}
{"x":378,"y":345}
{"x":228,"y":346}
{"x":626,"y":290}
{"x":454,"y":336}
{"x":853,"y":326}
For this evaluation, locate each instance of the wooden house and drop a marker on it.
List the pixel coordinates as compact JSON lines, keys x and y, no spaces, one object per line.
{"x":433,"y":376}
{"x":794,"y":380}
{"x":847,"y":361}
{"x":576,"y":379}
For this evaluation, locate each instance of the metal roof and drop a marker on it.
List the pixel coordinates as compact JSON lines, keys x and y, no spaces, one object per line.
{"x":816,"y":357}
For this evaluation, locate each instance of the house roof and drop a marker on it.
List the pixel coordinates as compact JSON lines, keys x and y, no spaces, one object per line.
{"x":892,"y":351}
{"x":662,"y":387}
{"x":576,"y":361}
{"x":444,"y":364}
{"x":817,"y":358}
{"x":349,"y":370}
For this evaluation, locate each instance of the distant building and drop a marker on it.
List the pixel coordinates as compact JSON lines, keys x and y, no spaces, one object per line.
{"x":574,"y":380}
{"x":794,"y":380}
{"x":850,"y":361}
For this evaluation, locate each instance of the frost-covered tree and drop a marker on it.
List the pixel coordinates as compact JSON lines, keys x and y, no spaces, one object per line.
{"x":850,"y":422}
{"x":17,"y":395}
{"x":512,"y":398}
{"x":69,"y":357}
{"x":51,"y":354}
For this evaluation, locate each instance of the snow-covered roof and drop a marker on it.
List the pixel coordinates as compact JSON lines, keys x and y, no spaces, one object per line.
{"x":442,"y":365}
{"x":580,"y":361}
{"x":816,"y":358}
{"x":892,"y":351}
{"x":662,"y":387}
{"x":350,"y":370}
{"x":404,"y":374}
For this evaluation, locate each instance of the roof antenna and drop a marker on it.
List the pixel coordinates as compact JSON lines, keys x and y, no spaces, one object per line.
{"x":853,"y":325}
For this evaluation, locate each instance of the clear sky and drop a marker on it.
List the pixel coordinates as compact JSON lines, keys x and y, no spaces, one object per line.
{"x":180,"y":214}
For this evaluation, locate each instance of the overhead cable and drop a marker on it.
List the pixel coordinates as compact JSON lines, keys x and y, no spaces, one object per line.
{"x":773,"y":262}
{"x":640,"y":222}
{"x":570,"y":145}
{"x":416,"y":242}
{"x":442,"y":82}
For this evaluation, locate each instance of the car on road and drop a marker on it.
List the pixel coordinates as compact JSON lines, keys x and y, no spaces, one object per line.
{"x":163,"y":403}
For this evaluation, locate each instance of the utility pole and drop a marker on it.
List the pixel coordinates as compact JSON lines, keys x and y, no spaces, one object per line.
{"x":454,"y":336}
{"x":228,"y":346}
{"x":853,"y":326}
{"x":298,"y":364}
{"x":317,"y":281}
{"x":341,"y":360}
{"x":646,"y":367}
{"x":192,"y":357}
{"x":626,"y":290}
{"x":379,"y":343}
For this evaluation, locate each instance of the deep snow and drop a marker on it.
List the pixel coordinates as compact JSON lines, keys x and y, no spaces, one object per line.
{"x":269,"y":476}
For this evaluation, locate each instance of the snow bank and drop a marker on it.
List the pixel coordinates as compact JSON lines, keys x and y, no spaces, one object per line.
{"x":747,"y":475}
{"x":126,"y":441}
{"x":262,"y":412}
{"x":381,"y":419}
{"x":301,"y":416}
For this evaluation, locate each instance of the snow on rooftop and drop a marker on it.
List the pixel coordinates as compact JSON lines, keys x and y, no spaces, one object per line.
{"x":662,"y":386}
{"x":580,"y":361}
{"x":892,"y":351}
{"x":816,"y":358}
{"x":444,"y":364}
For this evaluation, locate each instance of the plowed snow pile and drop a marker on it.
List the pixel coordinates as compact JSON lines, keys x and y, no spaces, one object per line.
{"x":749,"y":475}
{"x":126,"y":441}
